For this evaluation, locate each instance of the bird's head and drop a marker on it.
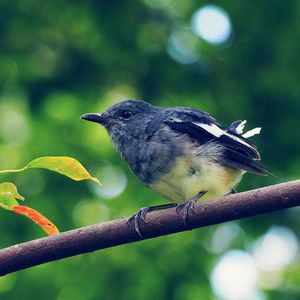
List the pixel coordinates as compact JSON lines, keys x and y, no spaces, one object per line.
{"x":125,"y":120}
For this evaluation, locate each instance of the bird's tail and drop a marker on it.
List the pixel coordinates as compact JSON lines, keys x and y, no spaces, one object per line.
{"x":238,"y":127}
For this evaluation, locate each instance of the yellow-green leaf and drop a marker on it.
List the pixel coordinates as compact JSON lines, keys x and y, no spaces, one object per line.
{"x":8,"y":195}
{"x":9,"y":189}
{"x":64,"y":165}
{"x":7,"y":202}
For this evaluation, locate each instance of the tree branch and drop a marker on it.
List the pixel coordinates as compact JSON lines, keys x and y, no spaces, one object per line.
{"x":158,"y":223}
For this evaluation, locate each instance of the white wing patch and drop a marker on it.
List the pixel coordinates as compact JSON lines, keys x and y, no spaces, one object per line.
{"x":240,"y":128}
{"x":212,"y":128}
{"x":252,"y":132}
{"x":216,"y":131}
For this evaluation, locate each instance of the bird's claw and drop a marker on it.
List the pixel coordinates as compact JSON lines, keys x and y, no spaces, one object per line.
{"x":138,"y":218}
{"x":188,"y":206}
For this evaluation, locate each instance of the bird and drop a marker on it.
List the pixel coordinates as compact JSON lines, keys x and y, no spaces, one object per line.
{"x":181,"y":153}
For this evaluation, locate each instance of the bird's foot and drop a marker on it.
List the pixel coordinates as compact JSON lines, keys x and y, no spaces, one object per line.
{"x":140,"y":217}
{"x":188,"y":206}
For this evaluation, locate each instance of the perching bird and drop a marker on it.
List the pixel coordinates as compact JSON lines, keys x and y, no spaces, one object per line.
{"x":180,"y":153}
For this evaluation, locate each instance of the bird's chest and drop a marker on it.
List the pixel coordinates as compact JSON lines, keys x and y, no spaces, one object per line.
{"x":189,"y":176}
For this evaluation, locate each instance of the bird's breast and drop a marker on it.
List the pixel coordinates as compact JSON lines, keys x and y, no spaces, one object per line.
{"x":191,"y":174}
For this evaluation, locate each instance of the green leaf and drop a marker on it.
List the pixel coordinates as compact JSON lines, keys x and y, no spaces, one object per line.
{"x":9,"y":189}
{"x":8,"y":195}
{"x":7,"y":202}
{"x":64,"y":165}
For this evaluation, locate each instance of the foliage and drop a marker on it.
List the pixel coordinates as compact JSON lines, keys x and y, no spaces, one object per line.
{"x":60,"y":59}
{"x":67,"y":166}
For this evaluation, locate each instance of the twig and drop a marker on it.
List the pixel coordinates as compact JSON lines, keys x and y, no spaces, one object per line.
{"x":158,"y":223}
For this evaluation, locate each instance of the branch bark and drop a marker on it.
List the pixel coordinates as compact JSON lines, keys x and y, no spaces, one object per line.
{"x":158,"y":223}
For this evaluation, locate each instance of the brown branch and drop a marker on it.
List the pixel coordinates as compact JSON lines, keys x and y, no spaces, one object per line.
{"x":118,"y":232}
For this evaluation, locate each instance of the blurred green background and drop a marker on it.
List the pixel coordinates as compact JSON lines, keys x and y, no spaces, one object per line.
{"x":234,"y":59}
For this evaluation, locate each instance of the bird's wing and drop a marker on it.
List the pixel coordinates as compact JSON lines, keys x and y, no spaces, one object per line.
{"x":238,"y":152}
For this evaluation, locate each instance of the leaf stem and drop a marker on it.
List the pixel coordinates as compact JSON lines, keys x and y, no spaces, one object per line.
{"x":13,"y":171}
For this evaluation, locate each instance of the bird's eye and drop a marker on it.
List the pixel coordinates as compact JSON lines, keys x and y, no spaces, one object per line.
{"x":126,"y":114}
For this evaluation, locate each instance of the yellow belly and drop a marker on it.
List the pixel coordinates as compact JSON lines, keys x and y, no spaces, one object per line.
{"x":180,"y":185}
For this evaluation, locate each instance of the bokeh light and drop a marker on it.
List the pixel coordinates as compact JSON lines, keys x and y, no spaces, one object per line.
{"x":242,"y":275}
{"x":224,"y":236}
{"x":88,"y":212}
{"x":235,"y":276}
{"x":212,"y":24}
{"x":276,"y":249}
{"x":15,"y":127}
{"x":182,"y":46}
{"x":114,"y":181}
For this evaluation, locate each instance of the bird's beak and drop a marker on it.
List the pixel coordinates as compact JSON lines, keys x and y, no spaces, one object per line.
{"x":95,"y":117}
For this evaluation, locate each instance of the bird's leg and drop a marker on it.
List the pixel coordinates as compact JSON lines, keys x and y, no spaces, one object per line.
{"x":139,"y":217}
{"x":232,"y":191}
{"x":187,"y":206}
